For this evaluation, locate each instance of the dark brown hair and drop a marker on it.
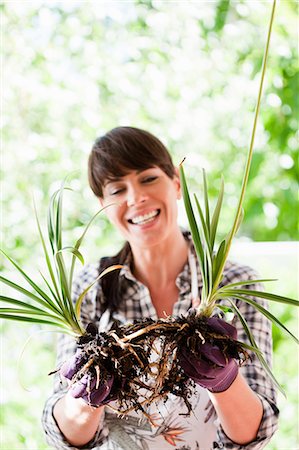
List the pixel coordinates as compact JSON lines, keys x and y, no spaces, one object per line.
{"x":123,"y":149}
{"x":112,"y":156}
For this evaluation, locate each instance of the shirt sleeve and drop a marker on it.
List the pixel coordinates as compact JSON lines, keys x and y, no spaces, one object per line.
{"x":66,"y":347}
{"x":253,"y":370}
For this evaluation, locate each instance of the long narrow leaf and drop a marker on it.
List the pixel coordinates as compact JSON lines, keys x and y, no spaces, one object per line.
{"x":55,"y":296}
{"x":205,"y":285}
{"x":249,"y":347}
{"x":51,"y":221}
{"x":52,"y":217}
{"x":25,"y":292}
{"x":30,"y":319}
{"x":47,"y":300}
{"x":74,"y":251}
{"x":266,"y":313}
{"x":191,"y":219}
{"x":26,"y":312}
{"x":80,"y":240}
{"x":47,"y":256}
{"x":254,"y":345}
{"x":209,"y":269}
{"x":206,"y":199}
{"x":240,"y":220}
{"x":217,"y":262}
{"x":76,"y":254}
{"x":261,"y":294}
{"x":205,"y":231}
{"x":250,"y":152}
{"x":246,"y":283}
{"x":78,"y":244}
{"x":13,"y":301}
{"x":64,"y":283}
{"x":82,"y":295}
{"x":58,"y":224}
{"x":216,"y":214}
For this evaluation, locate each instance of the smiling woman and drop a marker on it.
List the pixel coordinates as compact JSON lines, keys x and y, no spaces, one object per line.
{"x":143,"y":184}
{"x":146,"y":204}
{"x":135,"y":366}
{"x":186,"y":71}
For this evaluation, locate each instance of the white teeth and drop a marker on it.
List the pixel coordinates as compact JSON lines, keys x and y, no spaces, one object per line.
{"x":145,"y":218}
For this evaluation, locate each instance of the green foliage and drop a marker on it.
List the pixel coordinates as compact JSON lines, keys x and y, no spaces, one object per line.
{"x":212,"y":262}
{"x":72,"y":71}
{"x":186,"y":72}
{"x":54,"y":305}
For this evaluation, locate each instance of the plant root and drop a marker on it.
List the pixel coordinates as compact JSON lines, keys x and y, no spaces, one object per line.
{"x":142,"y":357}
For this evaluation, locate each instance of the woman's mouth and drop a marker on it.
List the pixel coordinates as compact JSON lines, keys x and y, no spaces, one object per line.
{"x":143,"y":219}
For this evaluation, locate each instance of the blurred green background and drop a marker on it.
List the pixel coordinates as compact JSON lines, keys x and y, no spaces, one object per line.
{"x":186,"y":71}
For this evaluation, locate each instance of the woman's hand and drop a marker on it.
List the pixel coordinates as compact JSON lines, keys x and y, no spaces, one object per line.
{"x":212,"y":370}
{"x":94,"y":391}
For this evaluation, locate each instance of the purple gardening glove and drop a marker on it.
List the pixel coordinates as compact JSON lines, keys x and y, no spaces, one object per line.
{"x":85,"y":388}
{"x":72,"y":365}
{"x":212,"y":370}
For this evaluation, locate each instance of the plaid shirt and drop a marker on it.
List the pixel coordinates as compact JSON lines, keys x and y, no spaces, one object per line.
{"x":202,"y":430}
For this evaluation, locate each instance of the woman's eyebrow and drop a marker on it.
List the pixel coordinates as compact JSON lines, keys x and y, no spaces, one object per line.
{"x":112,"y":180}
{"x":120,"y":178}
{"x":144,"y":170}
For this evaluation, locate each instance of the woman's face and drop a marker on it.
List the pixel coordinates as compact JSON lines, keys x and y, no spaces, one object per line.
{"x":146,"y":210}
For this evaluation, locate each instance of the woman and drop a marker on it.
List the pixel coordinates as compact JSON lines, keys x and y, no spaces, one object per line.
{"x":133,"y":170}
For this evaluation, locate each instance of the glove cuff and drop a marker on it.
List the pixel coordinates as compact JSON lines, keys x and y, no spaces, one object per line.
{"x":229,"y":377}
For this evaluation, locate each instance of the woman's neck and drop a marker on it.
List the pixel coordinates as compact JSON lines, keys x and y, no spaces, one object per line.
{"x":160,"y":265}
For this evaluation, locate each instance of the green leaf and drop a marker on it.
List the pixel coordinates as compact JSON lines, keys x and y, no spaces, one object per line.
{"x":14,"y":301}
{"x":31,"y":313}
{"x":209,"y":271}
{"x":191,"y":219}
{"x":266,"y":313}
{"x":66,"y":294}
{"x":245,"y":283}
{"x":47,"y":300}
{"x":204,"y":226}
{"x":30,"y":319}
{"x":249,"y":347}
{"x":206,"y":199}
{"x":51,"y":233}
{"x":82,"y":295}
{"x":216,"y":214}
{"x":240,"y":220}
{"x":24,"y":291}
{"x":28,"y":309}
{"x":238,"y":215}
{"x":255,"y":347}
{"x":260,"y":294}
{"x":54,"y":219}
{"x":74,"y":251}
{"x":47,"y":256}
{"x":55,"y":296}
{"x":58,"y":224}
{"x":217,"y":260}
{"x":79,"y":241}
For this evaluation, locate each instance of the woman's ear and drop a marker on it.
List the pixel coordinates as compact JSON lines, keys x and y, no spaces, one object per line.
{"x":178,"y":183}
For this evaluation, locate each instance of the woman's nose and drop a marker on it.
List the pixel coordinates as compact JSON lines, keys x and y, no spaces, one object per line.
{"x":135,"y":195}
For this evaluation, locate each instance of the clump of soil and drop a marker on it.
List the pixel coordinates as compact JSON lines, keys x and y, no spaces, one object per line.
{"x":142,"y":357}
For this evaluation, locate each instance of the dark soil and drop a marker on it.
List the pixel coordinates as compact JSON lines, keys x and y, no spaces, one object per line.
{"x":127,"y":351}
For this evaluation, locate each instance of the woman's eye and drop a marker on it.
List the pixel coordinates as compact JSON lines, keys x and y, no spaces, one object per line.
{"x":149,"y":179}
{"x":116,"y":191}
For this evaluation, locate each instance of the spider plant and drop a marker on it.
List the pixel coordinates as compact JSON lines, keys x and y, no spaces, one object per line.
{"x":212,"y":258}
{"x":52,"y":305}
